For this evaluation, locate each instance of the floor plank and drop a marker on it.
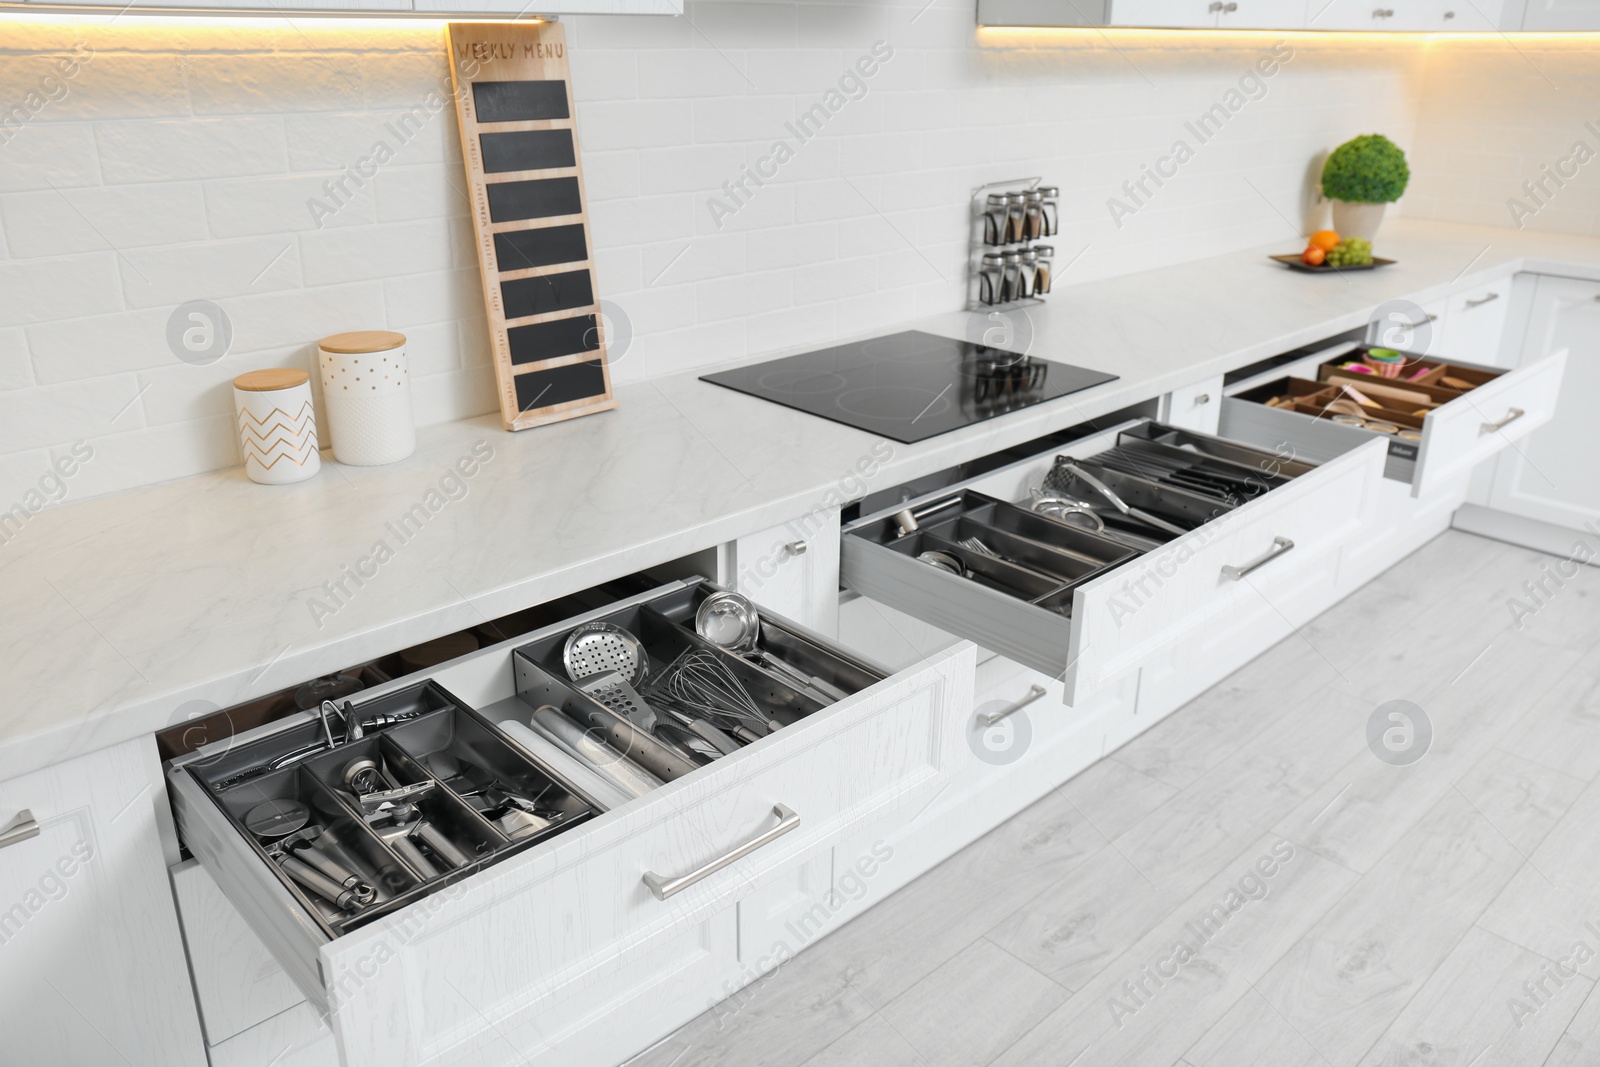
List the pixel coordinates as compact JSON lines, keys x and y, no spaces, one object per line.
{"x":1157,"y":999}
{"x":872,"y":1044}
{"x":1253,"y":1034}
{"x":974,"y":1006}
{"x":1580,"y":1045}
{"x":1349,"y":977}
{"x":1462,"y":1016}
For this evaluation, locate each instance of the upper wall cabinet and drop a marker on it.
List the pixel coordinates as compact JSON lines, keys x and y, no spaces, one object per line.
{"x":1418,"y":16}
{"x":376,"y":8}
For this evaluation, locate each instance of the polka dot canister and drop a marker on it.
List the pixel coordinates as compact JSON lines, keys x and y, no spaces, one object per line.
{"x":367,"y":390}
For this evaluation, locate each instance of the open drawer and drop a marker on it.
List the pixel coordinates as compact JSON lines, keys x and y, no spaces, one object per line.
{"x":1437,"y":442}
{"x":436,"y":966}
{"x":1132,"y":596}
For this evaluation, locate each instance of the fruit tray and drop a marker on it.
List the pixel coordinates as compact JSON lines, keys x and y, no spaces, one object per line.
{"x":1292,"y":260}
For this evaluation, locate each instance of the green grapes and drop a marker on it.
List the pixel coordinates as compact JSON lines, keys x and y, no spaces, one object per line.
{"x":1351,"y":252}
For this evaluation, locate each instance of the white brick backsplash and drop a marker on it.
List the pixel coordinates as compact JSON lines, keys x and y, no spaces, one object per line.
{"x":363,"y":252}
{"x":443,"y":297}
{"x":43,"y":155}
{"x":167,"y":151}
{"x":57,"y":414}
{"x":108,"y":218}
{"x":333,"y":142}
{"x":252,"y":83}
{"x":192,"y":148}
{"x":154,"y":277}
{"x":16,"y":371}
{"x":406,"y":193}
{"x":48,"y":290}
{"x":75,"y":349}
{"x":281,"y":204}
{"x":303,"y":316}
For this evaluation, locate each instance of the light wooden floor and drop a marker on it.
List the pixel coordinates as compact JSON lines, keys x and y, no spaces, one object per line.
{"x":1416,"y":904}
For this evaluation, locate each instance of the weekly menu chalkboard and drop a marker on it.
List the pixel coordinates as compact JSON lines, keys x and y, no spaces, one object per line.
{"x":520,"y":144}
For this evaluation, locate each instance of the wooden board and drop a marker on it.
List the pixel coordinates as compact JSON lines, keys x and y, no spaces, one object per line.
{"x":530,"y":215}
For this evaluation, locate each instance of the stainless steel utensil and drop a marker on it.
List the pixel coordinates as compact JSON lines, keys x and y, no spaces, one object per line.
{"x":1067,"y":510}
{"x":276,"y":818}
{"x":1121,"y":505}
{"x":729,"y":620}
{"x":943,"y":561}
{"x":699,"y":682}
{"x":601,"y":648}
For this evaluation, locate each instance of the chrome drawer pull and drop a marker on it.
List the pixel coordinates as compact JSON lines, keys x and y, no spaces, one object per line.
{"x":796,"y":548}
{"x":1482,"y":300}
{"x":1280,"y":545}
{"x":1512,"y":416}
{"x":989,"y":718}
{"x":1203,"y":398}
{"x":23,"y":827}
{"x":667,"y":887}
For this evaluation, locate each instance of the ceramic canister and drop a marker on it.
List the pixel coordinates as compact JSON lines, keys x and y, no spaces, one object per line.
{"x":277,"y":425}
{"x":367,"y":390}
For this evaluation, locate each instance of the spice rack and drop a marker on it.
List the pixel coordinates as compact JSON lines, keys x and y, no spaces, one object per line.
{"x":1008,"y":266}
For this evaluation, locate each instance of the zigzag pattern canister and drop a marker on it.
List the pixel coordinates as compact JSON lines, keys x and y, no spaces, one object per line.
{"x":277,"y":425}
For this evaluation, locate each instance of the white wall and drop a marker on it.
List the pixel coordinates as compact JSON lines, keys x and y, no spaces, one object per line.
{"x":1492,"y":118}
{"x":178,"y":163}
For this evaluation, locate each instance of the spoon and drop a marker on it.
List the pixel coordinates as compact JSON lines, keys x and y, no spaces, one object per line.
{"x":730,"y":621}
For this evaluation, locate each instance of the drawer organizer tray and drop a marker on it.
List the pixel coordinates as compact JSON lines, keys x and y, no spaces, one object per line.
{"x":1199,"y":515}
{"x":1438,"y":418}
{"x":487,"y":789}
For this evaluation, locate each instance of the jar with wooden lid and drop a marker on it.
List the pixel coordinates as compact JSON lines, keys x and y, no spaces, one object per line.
{"x":277,"y":425}
{"x":366,"y":386}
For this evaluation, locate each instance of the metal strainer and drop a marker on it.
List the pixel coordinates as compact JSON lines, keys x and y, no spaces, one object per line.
{"x":609,"y":663}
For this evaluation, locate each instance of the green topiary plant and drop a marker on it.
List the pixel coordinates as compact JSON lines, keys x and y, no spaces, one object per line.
{"x":1369,"y":169}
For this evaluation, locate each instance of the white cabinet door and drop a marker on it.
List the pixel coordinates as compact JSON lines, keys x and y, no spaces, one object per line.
{"x":1474,"y":323}
{"x":1166,"y":14}
{"x":1410,"y":332}
{"x":1562,"y":15}
{"x":1392,"y":15}
{"x":1262,"y":15}
{"x":1194,"y":407}
{"x":1550,"y":476}
{"x":91,"y":961}
{"x":794,"y":570}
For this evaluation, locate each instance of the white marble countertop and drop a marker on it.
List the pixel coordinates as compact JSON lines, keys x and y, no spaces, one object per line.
{"x":129,"y":613}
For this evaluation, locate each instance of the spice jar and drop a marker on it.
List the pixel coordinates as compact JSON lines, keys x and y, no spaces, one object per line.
{"x":989,"y":278}
{"x":1049,"y":210}
{"x":996,"y":211}
{"x":1011,"y":278}
{"x":1044,"y":266}
{"x":1032,"y":215}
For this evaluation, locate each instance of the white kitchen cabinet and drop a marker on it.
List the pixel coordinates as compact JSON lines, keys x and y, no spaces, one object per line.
{"x":1473,"y":324}
{"x":1550,"y":477}
{"x":635,"y":906}
{"x":382,"y":8}
{"x":91,"y":962}
{"x":793,"y":569}
{"x":1547,"y":15}
{"x":1165,"y":14}
{"x":237,"y":983}
{"x":1263,"y":15}
{"x":1417,"y":328}
{"x":1379,"y":15}
{"x":1194,"y":407}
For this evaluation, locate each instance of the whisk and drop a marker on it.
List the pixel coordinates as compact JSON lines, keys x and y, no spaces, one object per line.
{"x":699,"y":682}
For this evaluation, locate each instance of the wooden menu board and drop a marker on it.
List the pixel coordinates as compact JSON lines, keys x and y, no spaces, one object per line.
{"x":520,"y":143}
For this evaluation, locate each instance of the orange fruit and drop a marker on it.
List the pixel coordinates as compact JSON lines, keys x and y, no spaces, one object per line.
{"x":1327,"y":240}
{"x":1313,"y":256}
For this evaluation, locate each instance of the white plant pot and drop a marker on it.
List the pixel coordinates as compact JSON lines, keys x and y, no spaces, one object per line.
{"x":1358,"y":220}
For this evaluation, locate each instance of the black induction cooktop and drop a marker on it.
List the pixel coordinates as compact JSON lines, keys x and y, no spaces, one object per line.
{"x":909,"y":386}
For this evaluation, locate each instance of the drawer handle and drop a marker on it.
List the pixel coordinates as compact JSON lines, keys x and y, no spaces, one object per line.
{"x":1203,"y":398}
{"x":1035,"y":691}
{"x":1280,"y":545}
{"x":667,"y":887}
{"x":1512,"y":416}
{"x":796,"y":548}
{"x":1482,"y":300}
{"x":23,"y":827}
{"x":1425,"y":320}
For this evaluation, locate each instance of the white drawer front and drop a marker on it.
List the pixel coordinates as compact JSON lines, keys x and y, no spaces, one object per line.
{"x":1121,"y":619}
{"x":423,"y":985}
{"x":1463,"y":433}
